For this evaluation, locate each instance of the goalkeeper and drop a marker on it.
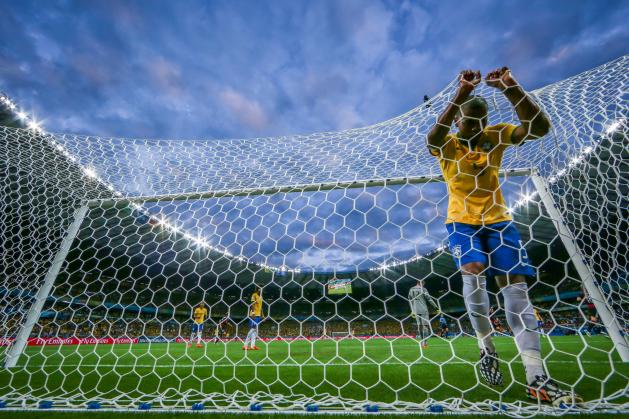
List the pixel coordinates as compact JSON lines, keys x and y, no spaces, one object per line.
{"x":255,"y":317}
{"x":482,"y":236}
{"x":417,"y":297}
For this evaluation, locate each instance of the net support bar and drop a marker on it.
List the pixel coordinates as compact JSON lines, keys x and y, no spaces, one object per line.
{"x":34,"y":312}
{"x":604,"y":310}
{"x":315,"y":187}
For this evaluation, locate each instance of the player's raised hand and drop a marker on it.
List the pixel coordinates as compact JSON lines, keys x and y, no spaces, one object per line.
{"x":500,"y":78}
{"x":469,"y":79}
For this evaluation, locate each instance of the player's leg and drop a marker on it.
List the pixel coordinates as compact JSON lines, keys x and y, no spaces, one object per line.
{"x":418,"y":322}
{"x":510,"y":263}
{"x":248,"y":338}
{"x":199,"y":335}
{"x":427,"y":329}
{"x":255,"y":334}
{"x":194,"y":331}
{"x":421,"y":321}
{"x":466,"y":245}
{"x":253,"y":339}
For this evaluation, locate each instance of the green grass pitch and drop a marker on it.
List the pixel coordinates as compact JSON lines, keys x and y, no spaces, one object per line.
{"x":375,"y":370}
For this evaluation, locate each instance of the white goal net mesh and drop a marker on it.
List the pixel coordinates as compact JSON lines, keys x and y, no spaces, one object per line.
{"x":108,"y":246}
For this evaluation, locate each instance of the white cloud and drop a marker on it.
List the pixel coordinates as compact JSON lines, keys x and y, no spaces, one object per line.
{"x":247,"y":111}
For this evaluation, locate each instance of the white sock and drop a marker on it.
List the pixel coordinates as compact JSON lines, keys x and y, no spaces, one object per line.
{"x":521,"y":319}
{"x":253,"y":337}
{"x":249,"y":337}
{"x":198,"y":338}
{"x":477,"y":304}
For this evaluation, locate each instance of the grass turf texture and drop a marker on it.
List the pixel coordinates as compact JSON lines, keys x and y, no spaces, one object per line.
{"x":361,"y":370}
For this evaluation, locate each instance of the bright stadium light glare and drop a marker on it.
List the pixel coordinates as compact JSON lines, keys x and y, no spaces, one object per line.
{"x":34,"y":125}
{"x":90,"y":172}
{"x":575,"y":160}
{"x":21,"y":115}
{"x":612,"y":127}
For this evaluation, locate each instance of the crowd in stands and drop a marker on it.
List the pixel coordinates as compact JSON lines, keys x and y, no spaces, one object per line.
{"x":149,"y":326}
{"x":99,"y":323}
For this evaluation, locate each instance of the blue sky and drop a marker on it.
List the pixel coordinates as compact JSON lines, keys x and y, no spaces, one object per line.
{"x":239,"y":69}
{"x":215,"y":69}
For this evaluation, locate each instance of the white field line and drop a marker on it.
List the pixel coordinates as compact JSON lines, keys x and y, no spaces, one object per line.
{"x":309,"y":365}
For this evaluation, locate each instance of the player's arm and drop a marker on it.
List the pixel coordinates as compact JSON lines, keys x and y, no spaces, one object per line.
{"x":436,"y":137}
{"x":410,"y":302}
{"x":252,"y":304}
{"x":534,"y":123}
{"x":432,"y":301}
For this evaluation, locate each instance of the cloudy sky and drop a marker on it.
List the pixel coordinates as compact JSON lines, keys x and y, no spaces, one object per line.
{"x":238,"y":69}
{"x":215,"y":69}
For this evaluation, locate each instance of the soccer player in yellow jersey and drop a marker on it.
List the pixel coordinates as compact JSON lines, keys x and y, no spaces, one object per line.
{"x":540,"y":321}
{"x":255,"y":317}
{"x":199,"y":314}
{"x":482,"y":236}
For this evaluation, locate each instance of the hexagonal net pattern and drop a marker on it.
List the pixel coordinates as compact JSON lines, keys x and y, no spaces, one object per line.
{"x":315,"y":272}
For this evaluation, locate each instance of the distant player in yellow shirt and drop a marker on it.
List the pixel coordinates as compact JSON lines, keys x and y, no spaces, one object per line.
{"x":255,"y":317}
{"x":540,"y":321}
{"x":482,"y":236}
{"x":199,"y":314}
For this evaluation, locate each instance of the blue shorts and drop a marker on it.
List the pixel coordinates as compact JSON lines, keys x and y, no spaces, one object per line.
{"x":254,"y":321}
{"x":197,"y":327}
{"x":497,"y":246}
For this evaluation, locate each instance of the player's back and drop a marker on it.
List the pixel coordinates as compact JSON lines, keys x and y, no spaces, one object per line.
{"x":415,"y":292}
{"x":417,"y":299}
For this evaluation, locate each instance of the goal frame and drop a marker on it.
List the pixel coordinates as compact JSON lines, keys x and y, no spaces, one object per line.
{"x":540,"y":183}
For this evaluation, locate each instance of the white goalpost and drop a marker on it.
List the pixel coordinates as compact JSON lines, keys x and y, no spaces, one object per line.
{"x":112,"y":248}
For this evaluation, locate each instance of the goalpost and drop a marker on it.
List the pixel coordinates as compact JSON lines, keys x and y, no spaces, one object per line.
{"x":108,"y":244}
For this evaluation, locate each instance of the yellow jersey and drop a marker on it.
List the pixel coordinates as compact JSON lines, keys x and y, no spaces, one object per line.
{"x":537,"y":316}
{"x":199,"y":315}
{"x":474,"y":195}
{"x":256,"y":307}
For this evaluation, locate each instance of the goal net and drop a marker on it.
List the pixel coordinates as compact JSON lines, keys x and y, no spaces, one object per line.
{"x":303,"y":251}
